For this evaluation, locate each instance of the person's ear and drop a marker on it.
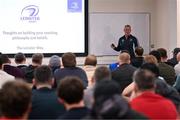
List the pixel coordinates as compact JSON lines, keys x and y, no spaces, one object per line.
{"x":61,"y":100}
{"x":34,"y":82}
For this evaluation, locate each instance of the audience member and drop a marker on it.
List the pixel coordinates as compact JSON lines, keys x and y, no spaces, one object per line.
{"x":89,"y":67}
{"x":29,"y":71}
{"x":15,"y":100}
{"x":123,"y":74}
{"x":166,"y":71}
{"x":150,"y":59}
{"x":12,"y":70}
{"x":173,"y":61}
{"x":45,"y":103}
{"x":177,"y":66}
{"x":20,"y":60}
{"x":101,"y":73}
{"x":70,"y":93}
{"x":146,"y":101}
{"x":177,"y":84}
{"x":139,"y":59}
{"x":54,"y":63}
{"x":109,"y":104}
{"x":70,"y":69}
{"x":4,"y":77}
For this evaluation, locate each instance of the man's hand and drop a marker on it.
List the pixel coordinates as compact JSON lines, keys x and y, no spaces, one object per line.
{"x":113,"y":46}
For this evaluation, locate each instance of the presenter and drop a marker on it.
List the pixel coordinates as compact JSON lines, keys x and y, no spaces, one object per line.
{"x":127,"y":42}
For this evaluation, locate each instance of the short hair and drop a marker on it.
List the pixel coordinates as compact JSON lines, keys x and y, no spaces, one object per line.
{"x":124,"y":57}
{"x":37,"y":58}
{"x":15,"y":99}
{"x":176,"y":51}
{"x":156,"y":54}
{"x":69,"y":59}
{"x":163,"y":52}
{"x":139,"y":51}
{"x":5,"y":58}
{"x":106,"y":89}
{"x":19,"y":57}
{"x":144,"y":79}
{"x":55,"y":61}
{"x":178,"y":56}
{"x":102,"y":73}
{"x":127,"y":26}
{"x":91,"y":60}
{"x":151,"y":67}
{"x":150,"y":59}
{"x":43,"y":74}
{"x":71,"y":90}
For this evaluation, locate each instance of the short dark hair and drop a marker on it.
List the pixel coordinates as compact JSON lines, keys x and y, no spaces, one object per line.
{"x":151,"y":67}
{"x":71,"y":90}
{"x":139,"y":51}
{"x":37,"y":58}
{"x":91,"y":60}
{"x":163,"y":52}
{"x":156,"y":54}
{"x":102,"y":73}
{"x":19,"y":57}
{"x":43,"y":74}
{"x":69,"y":59}
{"x":127,"y":26}
{"x":5,"y":58}
{"x":15,"y":99}
{"x":144,"y":79}
{"x":106,"y":89}
{"x":176,"y":51}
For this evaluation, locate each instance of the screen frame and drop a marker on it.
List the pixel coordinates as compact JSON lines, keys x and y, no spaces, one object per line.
{"x":86,"y":17}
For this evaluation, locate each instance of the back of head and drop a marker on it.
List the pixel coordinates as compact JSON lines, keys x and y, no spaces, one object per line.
{"x":69,"y":59}
{"x":156,"y":54}
{"x":150,"y":59}
{"x":37,"y":58}
{"x":91,"y":60}
{"x":124,"y":58}
{"x":43,"y":74}
{"x":176,"y":51}
{"x":71,"y":90}
{"x":144,"y":80}
{"x":163,"y":52}
{"x":5,"y":58}
{"x":19,"y":58}
{"x":54,"y":61}
{"x":102,"y":73}
{"x":151,"y":67}
{"x":139,"y":51}
{"x":15,"y":99}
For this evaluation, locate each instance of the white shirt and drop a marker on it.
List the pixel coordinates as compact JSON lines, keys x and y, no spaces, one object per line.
{"x":177,"y":69}
{"x":5,"y":77}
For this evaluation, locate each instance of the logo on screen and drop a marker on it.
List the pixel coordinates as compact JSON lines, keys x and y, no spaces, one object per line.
{"x":74,"y":6}
{"x":30,"y":13}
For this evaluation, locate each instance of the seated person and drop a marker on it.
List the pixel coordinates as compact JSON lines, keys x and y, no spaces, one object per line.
{"x":15,"y":100}
{"x":20,"y":60}
{"x":70,"y":93}
{"x":139,"y":59}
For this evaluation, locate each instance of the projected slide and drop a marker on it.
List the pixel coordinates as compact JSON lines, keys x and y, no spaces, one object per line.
{"x":46,"y":26}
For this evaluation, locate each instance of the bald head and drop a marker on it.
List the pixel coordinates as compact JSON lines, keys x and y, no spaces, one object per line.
{"x":178,"y":57}
{"x":124,"y":58}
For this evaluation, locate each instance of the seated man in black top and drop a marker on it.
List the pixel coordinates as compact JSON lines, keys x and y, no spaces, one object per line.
{"x":70,"y":69}
{"x":20,"y":60}
{"x":139,"y":59}
{"x":45,"y":104}
{"x":70,"y":93}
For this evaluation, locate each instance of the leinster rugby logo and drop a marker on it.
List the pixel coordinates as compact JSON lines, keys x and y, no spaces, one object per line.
{"x":30,"y":13}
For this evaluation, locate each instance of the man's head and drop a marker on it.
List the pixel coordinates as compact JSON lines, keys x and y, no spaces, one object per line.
{"x":15,"y":100}
{"x":91,"y":60}
{"x":178,"y":57}
{"x":127,"y":30}
{"x":54,"y":61}
{"x":37,"y":58}
{"x":43,"y":75}
{"x":156,"y":54}
{"x":124,"y":58}
{"x":163,"y":53}
{"x":150,"y":59}
{"x":20,"y":58}
{"x":144,"y":80}
{"x":139,"y":51}
{"x":151,"y":67}
{"x":5,"y":58}
{"x":69,"y":59}
{"x":102,"y":73}
{"x":176,"y":51}
{"x":70,"y":90}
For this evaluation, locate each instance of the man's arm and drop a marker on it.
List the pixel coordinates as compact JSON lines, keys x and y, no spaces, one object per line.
{"x":136,"y":42}
{"x":118,"y":48}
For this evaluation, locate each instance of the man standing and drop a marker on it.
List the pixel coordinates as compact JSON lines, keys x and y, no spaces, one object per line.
{"x":127,"y":42}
